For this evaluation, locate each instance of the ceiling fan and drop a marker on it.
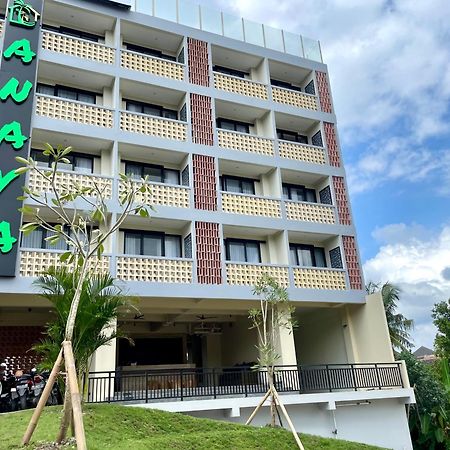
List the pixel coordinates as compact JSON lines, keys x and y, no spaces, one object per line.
{"x":202,"y":317}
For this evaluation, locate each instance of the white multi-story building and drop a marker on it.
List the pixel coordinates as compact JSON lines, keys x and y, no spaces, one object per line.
{"x":234,"y":124}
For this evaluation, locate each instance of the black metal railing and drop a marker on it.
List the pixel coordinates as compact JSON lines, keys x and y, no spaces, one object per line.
{"x":151,"y":385}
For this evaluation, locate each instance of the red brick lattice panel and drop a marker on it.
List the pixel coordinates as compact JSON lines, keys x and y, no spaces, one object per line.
{"x":205,"y":194}
{"x":351,"y":258}
{"x":198,"y":62}
{"x":209,"y":268}
{"x":15,"y":343}
{"x":330,"y":139}
{"x":342,"y":201}
{"x":324,"y":92}
{"x":201,"y":119}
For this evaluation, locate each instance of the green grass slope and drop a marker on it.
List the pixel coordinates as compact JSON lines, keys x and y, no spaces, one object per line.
{"x":119,"y":428}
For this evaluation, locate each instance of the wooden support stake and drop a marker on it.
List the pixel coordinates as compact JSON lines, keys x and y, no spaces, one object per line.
{"x":72,"y":382}
{"x":288,"y":419}
{"x":43,"y":400}
{"x":67,"y":417}
{"x":257,"y":408}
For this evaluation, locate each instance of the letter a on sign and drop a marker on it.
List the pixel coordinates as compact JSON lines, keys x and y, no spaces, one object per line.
{"x":6,"y":240}
{"x":11,"y":89}
{"x":22,"y":49}
{"x":12,"y":133}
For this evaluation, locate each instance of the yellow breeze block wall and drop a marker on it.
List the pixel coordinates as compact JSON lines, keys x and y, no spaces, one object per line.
{"x":34,"y":263}
{"x":294,"y":98}
{"x":310,"y":212}
{"x":240,"y":86}
{"x":253,"y":206}
{"x":319,"y":279}
{"x":153,"y":269}
{"x":152,"y":126}
{"x":248,"y":274}
{"x":300,"y":152}
{"x":65,"y":180}
{"x":245,"y":143}
{"x":160,"y":194}
{"x":56,"y":108}
{"x":155,"y":66}
{"x":77,"y":47}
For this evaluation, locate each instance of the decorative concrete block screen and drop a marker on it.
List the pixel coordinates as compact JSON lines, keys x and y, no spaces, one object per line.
{"x":245,"y":142}
{"x":301,"y":152}
{"x":307,"y":212}
{"x":205,"y":192}
{"x":249,"y":205}
{"x":342,"y":201}
{"x":330,"y":139}
{"x":209,"y":268}
{"x":249,"y":274}
{"x":201,"y":119}
{"x":351,"y":258}
{"x":319,"y":279}
{"x":324,"y":92}
{"x":297,"y":99}
{"x":240,"y":86}
{"x":198,"y":63}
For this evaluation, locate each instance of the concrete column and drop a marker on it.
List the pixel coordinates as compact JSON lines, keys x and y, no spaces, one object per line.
{"x":104,"y":359}
{"x":285,"y":345}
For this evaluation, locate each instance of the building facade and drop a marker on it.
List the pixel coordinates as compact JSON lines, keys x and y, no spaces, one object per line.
{"x":234,"y":125}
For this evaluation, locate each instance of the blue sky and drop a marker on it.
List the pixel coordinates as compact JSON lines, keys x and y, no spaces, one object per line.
{"x":389,"y":67}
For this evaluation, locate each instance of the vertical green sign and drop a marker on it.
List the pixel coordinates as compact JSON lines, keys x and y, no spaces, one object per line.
{"x":18,"y":69}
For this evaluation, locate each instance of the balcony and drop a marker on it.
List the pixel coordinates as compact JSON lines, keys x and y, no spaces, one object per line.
{"x":153,"y":269}
{"x":65,"y":180}
{"x":149,"y":64}
{"x":310,"y":212}
{"x":240,"y":86}
{"x":319,"y":278}
{"x":80,"y":48}
{"x":163,"y":194}
{"x":74,"y":111}
{"x":250,"y":205}
{"x":33,"y":262}
{"x":294,"y":98}
{"x":248,"y":274}
{"x":245,"y":142}
{"x":301,"y":152}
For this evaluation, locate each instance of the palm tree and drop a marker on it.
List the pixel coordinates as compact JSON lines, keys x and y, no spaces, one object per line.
{"x":399,"y":326}
{"x":99,"y":304}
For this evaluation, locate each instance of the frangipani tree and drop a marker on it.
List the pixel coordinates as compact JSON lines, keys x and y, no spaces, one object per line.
{"x":84,"y":225}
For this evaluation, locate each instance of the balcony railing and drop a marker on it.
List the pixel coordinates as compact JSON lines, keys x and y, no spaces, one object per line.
{"x":85,"y":113}
{"x":246,"y":274}
{"x":81,"y":48}
{"x":153,"y":126}
{"x":250,"y":205}
{"x":163,"y":194}
{"x":245,"y":142}
{"x":154,"y":269}
{"x":33,"y":262}
{"x":65,"y":181}
{"x":319,"y":278}
{"x":294,"y":98}
{"x":239,"y":85}
{"x":301,"y":152}
{"x":180,"y":384}
{"x":310,"y":212}
{"x":150,"y":64}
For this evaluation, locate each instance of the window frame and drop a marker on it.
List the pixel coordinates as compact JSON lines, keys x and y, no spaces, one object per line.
{"x":142,"y":105}
{"x":71,"y":156}
{"x":300,"y":138}
{"x":247,"y":125}
{"x":73,"y":32}
{"x":224,"y":178}
{"x":284,"y":85}
{"x":56,"y":87}
{"x":305,"y":190}
{"x":160,"y":234}
{"x":148,"y":51}
{"x":312,"y":249}
{"x":153,"y":166}
{"x":229,"y":71}
{"x":243,"y":241}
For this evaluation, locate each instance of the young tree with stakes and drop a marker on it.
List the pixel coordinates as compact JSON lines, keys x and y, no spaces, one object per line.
{"x":82,"y":216}
{"x":274,"y":313}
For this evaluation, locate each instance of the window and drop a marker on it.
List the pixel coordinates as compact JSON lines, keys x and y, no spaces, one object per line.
{"x":307,"y":255}
{"x":284,"y":84}
{"x":78,"y":162}
{"x":228,"y":71}
{"x":158,"y":174}
{"x":152,"y":244}
{"x":233,"y":125}
{"x":241,"y":250}
{"x":292,"y":136}
{"x":67,"y":92}
{"x":237,"y":184}
{"x":74,"y":33}
{"x":151,"y":110}
{"x":299,"y":193}
{"x":149,"y":51}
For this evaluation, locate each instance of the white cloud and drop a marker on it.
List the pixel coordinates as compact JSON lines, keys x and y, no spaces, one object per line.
{"x":417,"y":262}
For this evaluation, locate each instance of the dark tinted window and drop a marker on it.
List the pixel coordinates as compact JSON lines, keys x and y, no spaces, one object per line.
{"x":241,"y":250}
{"x":151,"y":110}
{"x":307,"y":255}
{"x":233,"y":125}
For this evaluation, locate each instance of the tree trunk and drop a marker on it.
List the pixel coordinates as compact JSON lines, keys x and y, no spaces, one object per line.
{"x":67,"y":417}
{"x":273,"y":406}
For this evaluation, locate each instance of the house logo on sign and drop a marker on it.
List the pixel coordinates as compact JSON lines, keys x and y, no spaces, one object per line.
{"x":22,"y":14}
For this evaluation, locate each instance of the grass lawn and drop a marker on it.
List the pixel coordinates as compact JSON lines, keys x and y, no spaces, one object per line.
{"x":119,"y":427}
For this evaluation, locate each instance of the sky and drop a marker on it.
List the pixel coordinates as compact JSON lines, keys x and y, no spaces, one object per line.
{"x":389,"y":66}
